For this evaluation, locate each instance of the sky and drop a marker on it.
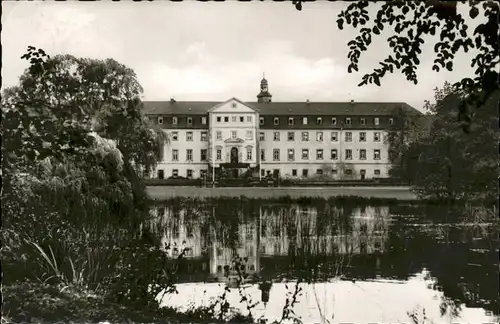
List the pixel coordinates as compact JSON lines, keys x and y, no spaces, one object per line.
{"x":196,"y":51}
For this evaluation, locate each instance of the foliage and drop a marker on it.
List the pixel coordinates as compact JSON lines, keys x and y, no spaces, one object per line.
{"x":446,"y":163}
{"x":412,"y":23}
{"x":74,"y":139}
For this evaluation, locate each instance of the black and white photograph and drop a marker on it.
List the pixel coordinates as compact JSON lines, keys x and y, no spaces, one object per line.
{"x":267,"y":162}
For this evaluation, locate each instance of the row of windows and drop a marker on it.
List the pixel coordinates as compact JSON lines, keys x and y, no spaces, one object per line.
{"x":348,"y":154}
{"x":234,"y":119}
{"x":305,"y":172}
{"x":334,"y":136}
{"x":189,"y":120}
{"x":276,"y":120}
{"x":204,"y":155}
{"x":319,"y":121}
{"x":305,"y":155}
{"x":304,"y":136}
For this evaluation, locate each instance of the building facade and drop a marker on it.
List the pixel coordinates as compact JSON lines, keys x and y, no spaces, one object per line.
{"x":339,"y":140}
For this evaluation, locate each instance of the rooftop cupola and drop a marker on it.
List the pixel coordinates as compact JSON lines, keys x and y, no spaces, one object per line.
{"x":264,"y":95}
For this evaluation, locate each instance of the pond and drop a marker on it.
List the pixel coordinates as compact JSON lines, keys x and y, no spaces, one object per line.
{"x":322,"y":261}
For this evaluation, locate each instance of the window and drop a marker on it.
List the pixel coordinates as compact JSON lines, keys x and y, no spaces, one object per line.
{"x":226,"y":119}
{"x":189,"y":136}
{"x":348,"y":172}
{"x":218,"y":135}
{"x":363,"y":121}
{"x":276,"y":121}
{"x":319,"y":136}
{"x":376,"y":121}
{"x":376,"y":137}
{"x":175,"y":136}
{"x":242,"y":119}
{"x":203,"y":136}
{"x":304,"y":120}
{"x":249,"y":153}
{"x":262,"y":136}
{"x":249,"y":135}
{"x":189,"y":173}
{"x":203,"y":154}
{"x":261,"y":121}
{"x":362,"y":154}
{"x":376,"y":172}
{"x":319,"y":121}
{"x":391,"y":121}
{"x":233,"y":134}
{"x":334,"y":121}
{"x":203,"y":120}
{"x":219,"y":154}
{"x":276,"y":136}
{"x":291,"y":154}
{"x":276,"y":155}
{"x":290,"y":121}
{"x":174,"y":120}
{"x":219,"y":119}
{"x":348,"y":136}
{"x":334,"y":172}
{"x":249,"y":119}
{"x":262,"y":172}
{"x":348,"y":121}
{"x":334,"y":136}
{"x":362,"y":137}
{"x":294,"y":172}
{"x":189,"y":155}
{"x":190,"y":121}
{"x":305,"y":154}
{"x":319,"y":171}
{"x":305,"y":136}
{"x":175,"y":173}
{"x":161,"y":174}
{"x":305,"y":172}
{"x":319,"y":154}
{"x":348,"y":154}
{"x":234,"y":119}
{"x":160,"y":120}
{"x":175,"y":155}
{"x":262,"y":155}
{"x":333,"y":154}
{"x":376,"y":154}
{"x":291,"y":136}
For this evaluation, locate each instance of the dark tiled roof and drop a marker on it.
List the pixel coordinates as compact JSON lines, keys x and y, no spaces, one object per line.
{"x":282,"y":108}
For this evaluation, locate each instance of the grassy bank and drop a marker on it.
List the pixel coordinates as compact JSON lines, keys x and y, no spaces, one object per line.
{"x":394,"y":193}
{"x":30,"y":302}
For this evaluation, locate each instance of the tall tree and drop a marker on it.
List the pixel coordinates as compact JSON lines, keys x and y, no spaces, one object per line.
{"x":411,"y":22}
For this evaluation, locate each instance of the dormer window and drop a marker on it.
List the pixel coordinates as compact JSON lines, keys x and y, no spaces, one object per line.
{"x":348,"y":121}
{"x":376,"y":121}
{"x":204,"y":120}
{"x":290,"y":121}
{"x":334,"y":121}
{"x":363,"y":121}
{"x":319,"y":121}
{"x":190,"y":121}
{"x":391,"y":121}
{"x":261,"y":121}
{"x":174,"y":120}
{"x":160,"y":120}
{"x":276,"y":121}
{"x":304,"y":120}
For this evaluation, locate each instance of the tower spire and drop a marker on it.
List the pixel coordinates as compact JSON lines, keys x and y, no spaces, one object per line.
{"x":264,"y":95}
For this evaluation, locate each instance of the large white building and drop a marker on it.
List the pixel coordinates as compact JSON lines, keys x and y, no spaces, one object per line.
{"x":292,"y":139}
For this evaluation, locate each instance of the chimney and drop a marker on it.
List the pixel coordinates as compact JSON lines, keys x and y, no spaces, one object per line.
{"x":172,"y":100}
{"x":307,"y":101}
{"x":352,"y":101}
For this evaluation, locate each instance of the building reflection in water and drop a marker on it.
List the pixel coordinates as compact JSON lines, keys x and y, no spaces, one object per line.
{"x":211,"y":239}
